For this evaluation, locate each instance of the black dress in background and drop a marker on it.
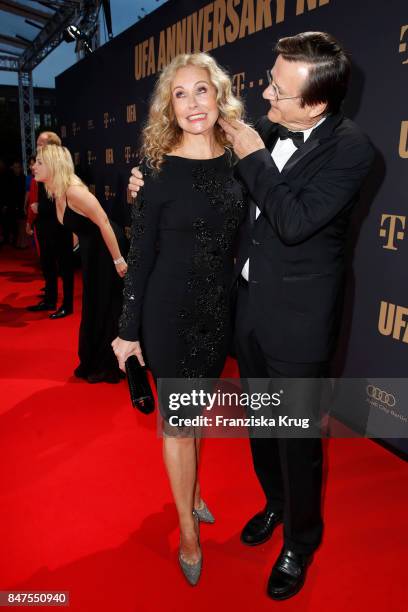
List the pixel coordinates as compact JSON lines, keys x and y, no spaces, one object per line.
{"x":177,"y":289}
{"x":101,"y":299}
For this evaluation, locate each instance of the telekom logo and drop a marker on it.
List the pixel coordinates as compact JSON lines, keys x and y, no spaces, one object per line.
{"x":392,"y":228}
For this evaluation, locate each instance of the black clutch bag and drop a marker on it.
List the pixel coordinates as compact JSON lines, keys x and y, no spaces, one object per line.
{"x":140,"y":391}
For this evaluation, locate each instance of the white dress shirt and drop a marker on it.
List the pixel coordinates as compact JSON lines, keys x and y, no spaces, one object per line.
{"x":282,"y":152}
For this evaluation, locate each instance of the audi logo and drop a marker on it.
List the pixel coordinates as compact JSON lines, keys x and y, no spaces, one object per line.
{"x":381,"y":396}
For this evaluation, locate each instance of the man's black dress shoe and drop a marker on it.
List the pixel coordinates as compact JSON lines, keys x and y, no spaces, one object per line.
{"x":61,"y":313}
{"x":260,"y":527}
{"x":288,"y":574}
{"x":41,"y":306}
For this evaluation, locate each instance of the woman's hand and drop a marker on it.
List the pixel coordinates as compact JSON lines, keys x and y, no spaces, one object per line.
{"x":121,"y":268}
{"x":124,"y":349}
{"x":29,"y":230}
{"x":34,"y":207}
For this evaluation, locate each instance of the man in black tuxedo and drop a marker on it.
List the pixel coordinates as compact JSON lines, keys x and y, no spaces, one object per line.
{"x":56,"y":249}
{"x":303,"y":167}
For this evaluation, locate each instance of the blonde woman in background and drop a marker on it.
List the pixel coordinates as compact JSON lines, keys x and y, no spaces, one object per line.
{"x":103,"y":267}
{"x":55,"y":246}
{"x":177,"y":288}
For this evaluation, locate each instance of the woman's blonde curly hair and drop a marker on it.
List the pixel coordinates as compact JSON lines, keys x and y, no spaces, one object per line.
{"x":162,"y":133}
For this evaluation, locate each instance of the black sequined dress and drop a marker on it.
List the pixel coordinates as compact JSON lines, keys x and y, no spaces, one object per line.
{"x":177,"y":289}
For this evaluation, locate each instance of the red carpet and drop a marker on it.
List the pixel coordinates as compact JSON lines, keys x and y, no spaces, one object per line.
{"x":85,"y":506}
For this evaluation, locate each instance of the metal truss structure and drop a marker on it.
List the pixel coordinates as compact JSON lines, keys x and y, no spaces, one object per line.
{"x":29,"y":53}
{"x":26,"y":107}
{"x":9,"y":63}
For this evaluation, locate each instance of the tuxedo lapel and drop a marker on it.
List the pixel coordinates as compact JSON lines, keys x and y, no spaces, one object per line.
{"x":252,"y":211}
{"x":271,"y":138}
{"x":268,"y":131}
{"x":322,"y":133}
{"x":308,"y":147}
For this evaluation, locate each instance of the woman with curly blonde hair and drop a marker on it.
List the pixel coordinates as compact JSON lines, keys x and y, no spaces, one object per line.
{"x":163,"y":133}
{"x":176,"y":300}
{"x":102,"y":263}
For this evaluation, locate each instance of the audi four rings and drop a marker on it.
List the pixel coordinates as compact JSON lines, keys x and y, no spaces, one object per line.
{"x":381,"y":396}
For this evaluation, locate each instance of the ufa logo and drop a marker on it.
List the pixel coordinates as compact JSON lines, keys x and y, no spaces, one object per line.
{"x":393,"y":321}
{"x":403,"y":45}
{"x":403,"y":143}
{"x":77,"y":158}
{"x":90,"y":157}
{"x":131,"y":113}
{"x":63,"y":131}
{"x":75,"y":128}
{"x":109,"y":156}
{"x":389,"y":230}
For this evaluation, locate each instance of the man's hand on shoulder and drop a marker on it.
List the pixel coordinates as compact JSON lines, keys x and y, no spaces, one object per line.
{"x":244,"y":139}
{"x":135,"y":182}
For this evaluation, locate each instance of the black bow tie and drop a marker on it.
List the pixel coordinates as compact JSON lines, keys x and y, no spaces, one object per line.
{"x":296,"y":137}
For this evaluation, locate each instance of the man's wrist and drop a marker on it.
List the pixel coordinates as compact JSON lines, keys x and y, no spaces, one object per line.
{"x":250,"y":152}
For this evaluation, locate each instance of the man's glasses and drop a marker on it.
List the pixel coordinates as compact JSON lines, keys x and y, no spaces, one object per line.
{"x":276,"y":95}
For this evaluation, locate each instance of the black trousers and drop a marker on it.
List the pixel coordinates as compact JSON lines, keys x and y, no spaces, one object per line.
{"x":56,"y":257}
{"x":289,"y":469}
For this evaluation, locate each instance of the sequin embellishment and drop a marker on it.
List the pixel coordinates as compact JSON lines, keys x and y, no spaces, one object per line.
{"x":204,"y":326}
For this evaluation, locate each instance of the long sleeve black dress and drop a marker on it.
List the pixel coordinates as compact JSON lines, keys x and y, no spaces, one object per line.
{"x":177,"y":288}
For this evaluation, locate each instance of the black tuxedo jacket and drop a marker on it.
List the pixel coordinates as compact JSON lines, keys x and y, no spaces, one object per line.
{"x":296,"y":246}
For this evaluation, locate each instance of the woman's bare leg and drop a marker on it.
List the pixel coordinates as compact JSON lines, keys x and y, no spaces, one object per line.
{"x":180,"y":458}
{"x":198,"y":503}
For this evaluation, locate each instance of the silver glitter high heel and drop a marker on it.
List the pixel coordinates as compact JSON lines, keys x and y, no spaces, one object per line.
{"x":204,"y":515}
{"x":191,"y":571}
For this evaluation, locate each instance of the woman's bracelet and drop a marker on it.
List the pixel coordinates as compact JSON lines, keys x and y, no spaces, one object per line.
{"x":118,"y":261}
